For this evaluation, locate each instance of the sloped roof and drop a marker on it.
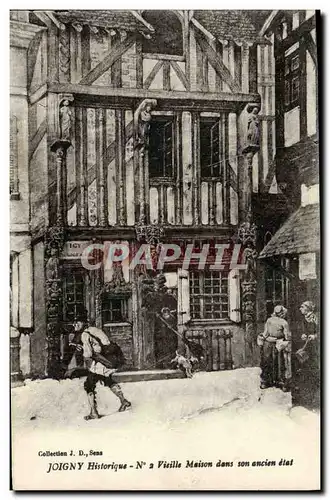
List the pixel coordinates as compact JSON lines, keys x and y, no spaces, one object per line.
{"x":299,"y":234}
{"x":231,"y":24}
{"x":115,"y":19}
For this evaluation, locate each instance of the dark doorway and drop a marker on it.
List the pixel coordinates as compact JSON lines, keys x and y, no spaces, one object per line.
{"x":166,"y":340}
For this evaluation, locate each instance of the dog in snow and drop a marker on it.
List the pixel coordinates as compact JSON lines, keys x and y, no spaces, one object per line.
{"x":184,"y":364}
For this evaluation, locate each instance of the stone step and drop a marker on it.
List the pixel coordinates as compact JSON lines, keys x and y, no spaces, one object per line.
{"x":137,"y":376}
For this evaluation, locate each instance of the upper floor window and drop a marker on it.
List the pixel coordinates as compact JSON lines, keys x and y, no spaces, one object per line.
{"x":292,"y":81}
{"x":210,"y":147}
{"x":161,"y":151}
{"x":168,"y":37}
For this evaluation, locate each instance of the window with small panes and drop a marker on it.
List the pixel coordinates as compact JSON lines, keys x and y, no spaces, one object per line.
{"x":209,"y":298}
{"x":292,"y":81}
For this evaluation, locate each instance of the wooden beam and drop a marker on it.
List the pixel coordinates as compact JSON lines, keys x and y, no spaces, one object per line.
{"x":32,"y":56}
{"x":279,"y":109}
{"x":37,"y":94}
{"x":253,"y":68}
{"x":310,"y":46}
{"x":152,"y":74}
{"x":201,"y":28}
{"x":226,"y":179}
{"x":139,"y":65}
{"x":303,"y":91}
{"x":120,"y":166}
{"x":64,"y":56}
{"x":35,"y":141}
{"x":199,"y":68}
{"x":43,"y":17}
{"x":98,"y":167}
{"x":52,"y":54}
{"x":180,"y":74}
{"x":85,"y":51}
{"x":142,"y":20}
{"x":232,"y":178}
{"x":104,"y":176}
{"x":196,"y":175}
{"x":83,"y":170}
{"x":269,"y":176}
{"x":77,"y":151}
{"x":167,"y":75}
{"x":297,"y":34}
{"x":116,"y":76}
{"x":178,"y":167}
{"x":108,"y":156}
{"x":128,"y":232}
{"x":240,"y":99}
{"x":217,"y":64}
{"x":117,"y":51}
{"x":260,"y":155}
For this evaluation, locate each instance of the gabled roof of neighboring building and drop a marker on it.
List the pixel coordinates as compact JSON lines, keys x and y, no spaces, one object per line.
{"x":299,"y":234}
{"x":232,"y":24}
{"x":116,"y":19}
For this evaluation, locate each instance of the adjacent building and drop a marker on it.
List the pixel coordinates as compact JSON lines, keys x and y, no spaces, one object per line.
{"x":291,"y":253}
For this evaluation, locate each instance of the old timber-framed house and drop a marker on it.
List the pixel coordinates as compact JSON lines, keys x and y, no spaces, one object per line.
{"x":99,"y":170}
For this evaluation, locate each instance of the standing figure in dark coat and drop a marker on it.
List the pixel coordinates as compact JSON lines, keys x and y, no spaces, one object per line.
{"x":306,"y":361}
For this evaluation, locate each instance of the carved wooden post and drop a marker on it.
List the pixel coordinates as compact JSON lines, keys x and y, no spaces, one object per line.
{"x":142,"y":118}
{"x":60,"y":149}
{"x":247,"y":236}
{"x":54,"y":240}
{"x":53,"y":247}
{"x":247,"y":233}
{"x":250,"y":145}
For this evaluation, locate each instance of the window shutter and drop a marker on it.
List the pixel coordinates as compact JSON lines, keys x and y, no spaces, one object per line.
{"x":183,"y":297}
{"x":234,"y":296}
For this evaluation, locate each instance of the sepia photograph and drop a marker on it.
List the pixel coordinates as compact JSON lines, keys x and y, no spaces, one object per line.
{"x":165,"y":250}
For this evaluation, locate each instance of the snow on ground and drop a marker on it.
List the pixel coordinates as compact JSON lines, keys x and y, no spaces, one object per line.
{"x":64,"y":402}
{"x":219,"y":415}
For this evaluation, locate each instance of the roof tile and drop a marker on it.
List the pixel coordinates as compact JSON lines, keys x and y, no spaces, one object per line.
{"x":228,"y":24}
{"x":299,"y":234}
{"x":115,"y":19}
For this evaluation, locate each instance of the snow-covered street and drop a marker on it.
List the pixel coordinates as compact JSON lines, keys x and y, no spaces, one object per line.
{"x":218,"y":415}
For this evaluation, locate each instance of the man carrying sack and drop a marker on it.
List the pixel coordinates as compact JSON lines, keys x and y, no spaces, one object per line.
{"x":102,"y":358}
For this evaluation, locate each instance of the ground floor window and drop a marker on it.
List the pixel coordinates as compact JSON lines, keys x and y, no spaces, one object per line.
{"x":209,"y":295}
{"x":114,"y":309}
{"x":74,"y":292}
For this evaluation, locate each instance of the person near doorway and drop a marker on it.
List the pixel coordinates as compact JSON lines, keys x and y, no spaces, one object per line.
{"x":102,"y":358}
{"x":306,"y":367}
{"x":275,"y":338}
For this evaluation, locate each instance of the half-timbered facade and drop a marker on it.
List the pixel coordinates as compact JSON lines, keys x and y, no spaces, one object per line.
{"x":141,"y":129}
{"x":290,"y":256}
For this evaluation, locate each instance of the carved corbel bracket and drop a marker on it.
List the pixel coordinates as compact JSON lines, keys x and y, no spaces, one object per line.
{"x":54,"y":240}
